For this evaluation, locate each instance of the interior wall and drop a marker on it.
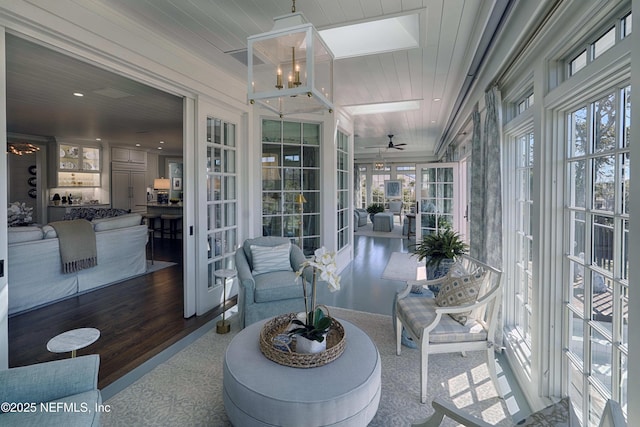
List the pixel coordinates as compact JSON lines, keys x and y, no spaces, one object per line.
{"x":22,"y":182}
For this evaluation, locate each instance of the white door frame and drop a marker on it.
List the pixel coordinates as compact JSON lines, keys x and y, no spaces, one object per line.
{"x":459,"y":203}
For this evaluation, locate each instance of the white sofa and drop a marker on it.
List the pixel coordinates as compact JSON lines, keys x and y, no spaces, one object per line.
{"x":34,"y":270}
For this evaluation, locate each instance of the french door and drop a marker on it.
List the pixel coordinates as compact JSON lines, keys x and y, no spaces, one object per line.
{"x":440,"y":201}
{"x":217,"y":207}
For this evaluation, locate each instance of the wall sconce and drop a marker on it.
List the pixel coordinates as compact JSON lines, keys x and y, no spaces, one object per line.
{"x":162,"y":186}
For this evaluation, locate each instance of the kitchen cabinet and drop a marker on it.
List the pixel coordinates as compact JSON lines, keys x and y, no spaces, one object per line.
{"x":129,"y":190}
{"x":126,"y":155}
{"x":74,"y":165}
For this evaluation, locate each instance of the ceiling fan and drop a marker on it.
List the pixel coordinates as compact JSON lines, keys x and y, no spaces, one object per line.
{"x":389,"y":145}
{"x":392,"y":145}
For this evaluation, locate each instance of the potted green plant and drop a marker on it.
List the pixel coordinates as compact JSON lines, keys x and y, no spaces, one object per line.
{"x":439,"y":250}
{"x":373,"y":209}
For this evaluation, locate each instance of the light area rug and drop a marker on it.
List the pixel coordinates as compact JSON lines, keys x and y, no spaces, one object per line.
{"x":367,"y":230}
{"x":404,"y":266}
{"x":186,"y":390}
{"x":158,"y":265}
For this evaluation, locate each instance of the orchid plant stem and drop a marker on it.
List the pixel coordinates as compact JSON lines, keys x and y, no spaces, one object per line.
{"x":304,"y":292}
{"x":313,"y":298}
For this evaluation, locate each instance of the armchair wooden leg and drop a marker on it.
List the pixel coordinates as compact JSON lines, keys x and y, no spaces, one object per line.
{"x":491,"y":363}
{"x":398,"y":336}
{"x":424,"y":368}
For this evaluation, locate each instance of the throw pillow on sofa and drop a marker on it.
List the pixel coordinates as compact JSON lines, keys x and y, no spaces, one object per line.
{"x":267,"y":259}
{"x":127,"y":220}
{"x":23,"y":234}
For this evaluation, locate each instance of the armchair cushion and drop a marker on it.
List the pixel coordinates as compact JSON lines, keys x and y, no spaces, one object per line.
{"x":277,"y":285}
{"x":460,"y":291}
{"x":420,"y":312}
{"x":267,"y":259}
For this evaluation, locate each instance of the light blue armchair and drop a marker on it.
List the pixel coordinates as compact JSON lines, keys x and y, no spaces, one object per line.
{"x":59,"y":393}
{"x":360,"y":216}
{"x":268,"y":294}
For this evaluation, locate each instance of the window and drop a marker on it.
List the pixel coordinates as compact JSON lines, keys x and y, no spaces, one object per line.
{"x":525,"y":104}
{"x":342,"y":168}
{"x":626,"y":26}
{"x":597,"y":218}
{"x":578,"y":63}
{"x":290,"y":168}
{"x":597,"y":47}
{"x":604,"y":43}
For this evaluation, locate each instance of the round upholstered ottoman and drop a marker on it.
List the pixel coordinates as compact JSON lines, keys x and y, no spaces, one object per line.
{"x":259,"y":392}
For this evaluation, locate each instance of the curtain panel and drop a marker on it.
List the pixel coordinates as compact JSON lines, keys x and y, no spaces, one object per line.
{"x":486,"y":191}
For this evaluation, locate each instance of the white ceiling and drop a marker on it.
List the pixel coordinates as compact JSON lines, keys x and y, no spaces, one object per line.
{"x":39,"y":81}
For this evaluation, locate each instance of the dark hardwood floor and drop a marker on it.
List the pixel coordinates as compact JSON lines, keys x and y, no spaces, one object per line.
{"x":137,"y":319}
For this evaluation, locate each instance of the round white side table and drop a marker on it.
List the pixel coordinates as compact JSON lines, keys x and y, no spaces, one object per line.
{"x":73,"y":340}
{"x":223,"y":327}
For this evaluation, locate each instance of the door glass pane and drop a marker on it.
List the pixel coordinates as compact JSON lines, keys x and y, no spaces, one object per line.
{"x":601,"y":358}
{"x":230,"y":134}
{"x":229,"y":161}
{"x":229,"y":187}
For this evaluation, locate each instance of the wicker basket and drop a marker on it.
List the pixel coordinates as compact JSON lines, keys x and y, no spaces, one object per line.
{"x":278,"y":325}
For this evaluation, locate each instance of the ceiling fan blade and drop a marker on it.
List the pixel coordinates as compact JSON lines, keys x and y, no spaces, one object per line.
{"x":402,"y":143}
{"x":398,"y":148}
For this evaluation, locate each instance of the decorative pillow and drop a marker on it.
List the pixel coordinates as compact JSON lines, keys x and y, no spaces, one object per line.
{"x":111,"y":223}
{"x":271,"y":258}
{"x":23,"y":234}
{"x":49,"y":232}
{"x":557,"y":415}
{"x":460,"y":291}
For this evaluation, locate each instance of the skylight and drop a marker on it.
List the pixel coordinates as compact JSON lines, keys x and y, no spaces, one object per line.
{"x":384,"y":35}
{"x":383,"y":107}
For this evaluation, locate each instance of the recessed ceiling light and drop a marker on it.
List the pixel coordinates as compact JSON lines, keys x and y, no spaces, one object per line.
{"x":366,"y":38}
{"x":159,"y":148}
{"x":78,"y":94}
{"x":437,"y":99}
{"x":383,"y":107}
{"x":433,"y":121}
{"x":161,"y":142}
{"x":98,"y":139}
{"x":137,"y":145}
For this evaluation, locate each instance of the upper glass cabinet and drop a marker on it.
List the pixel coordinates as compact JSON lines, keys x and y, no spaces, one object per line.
{"x":75,"y":165}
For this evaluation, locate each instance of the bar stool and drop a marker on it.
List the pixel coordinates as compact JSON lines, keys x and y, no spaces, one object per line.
{"x":173,"y":225}
{"x":150,"y":220}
